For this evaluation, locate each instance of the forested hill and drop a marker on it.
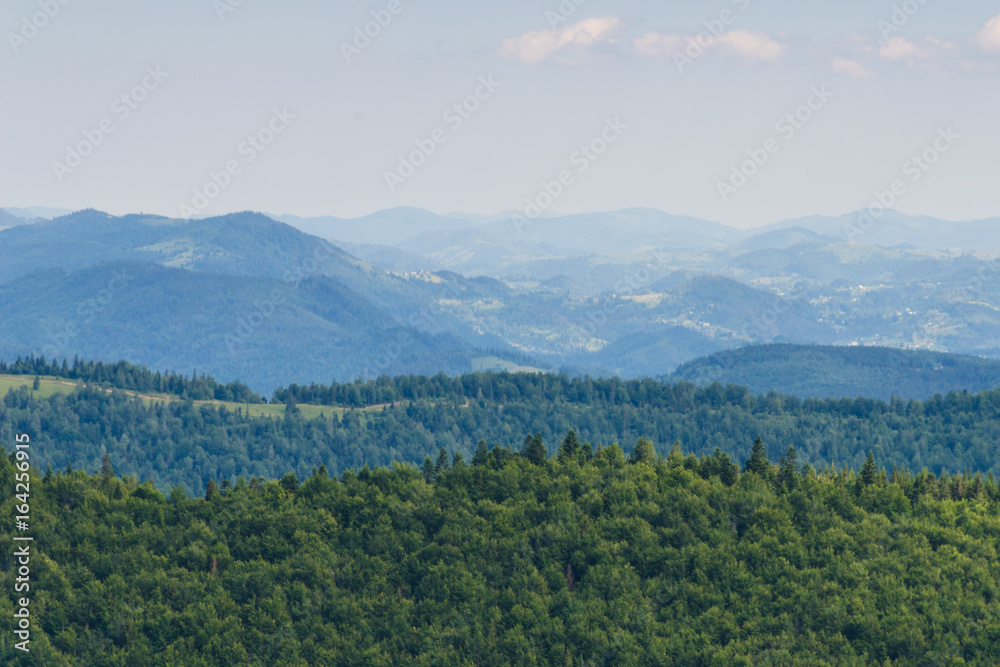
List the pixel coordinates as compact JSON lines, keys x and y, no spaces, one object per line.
{"x":516,"y":560}
{"x":129,"y":377}
{"x":816,"y":371}
{"x":409,"y":418}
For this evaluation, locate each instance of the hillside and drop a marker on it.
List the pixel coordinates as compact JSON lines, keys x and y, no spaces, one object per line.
{"x":248,"y":327}
{"x":187,"y":440}
{"x":241,"y":244}
{"x":835,"y":372}
{"x":588,"y":559}
{"x":629,"y":308}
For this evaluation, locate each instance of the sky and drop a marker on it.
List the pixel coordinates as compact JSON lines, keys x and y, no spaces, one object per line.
{"x":746,"y":112}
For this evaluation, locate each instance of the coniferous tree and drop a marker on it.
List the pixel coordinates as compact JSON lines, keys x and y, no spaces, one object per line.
{"x":211,"y":490}
{"x":481,"y":457}
{"x":869,"y":473}
{"x":644,"y":452}
{"x":569,"y":448}
{"x":758,"y":462}
{"x":428,"y":470}
{"x":978,"y":488}
{"x":675,"y":459}
{"x":106,"y":469}
{"x":534,"y":449}
{"x":788,"y":474}
{"x":728,"y":471}
{"x":442,"y":462}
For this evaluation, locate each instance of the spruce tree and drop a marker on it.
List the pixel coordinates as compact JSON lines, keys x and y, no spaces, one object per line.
{"x":442,"y":462}
{"x":869,"y":473}
{"x":569,"y":448}
{"x":211,"y":490}
{"x":728,"y":471}
{"x":534,"y":449}
{"x":481,"y":457}
{"x":758,"y":462}
{"x":675,"y":459}
{"x":644,"y":452}
{"x":106,"y":469}
{"x":789,"y":470}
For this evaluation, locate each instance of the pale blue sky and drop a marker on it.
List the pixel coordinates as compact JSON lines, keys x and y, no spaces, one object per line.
{"x":686,"y":130}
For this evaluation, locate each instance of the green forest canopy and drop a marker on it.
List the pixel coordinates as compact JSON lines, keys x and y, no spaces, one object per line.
{"x":588,"y":558}
{"x":406,"y":419}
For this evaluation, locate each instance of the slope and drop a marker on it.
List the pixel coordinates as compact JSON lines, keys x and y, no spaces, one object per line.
{"x":253,"y":328}
{"x":835,"y":372}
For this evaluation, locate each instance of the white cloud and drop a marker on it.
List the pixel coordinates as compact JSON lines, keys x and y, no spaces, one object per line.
{"x":988,"y":39}
{"x":753,"y":45}
{"x":851,"y":68}
{"x":745,"y":44}
{"x":567,"y":45}
{"x":655,"y":44}
{"x":900,"y":48}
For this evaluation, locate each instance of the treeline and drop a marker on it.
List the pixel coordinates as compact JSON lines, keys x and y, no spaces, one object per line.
{"x":603,"y":392}
{"x":592,"y":557}
{"x":489,"y":386}
{"x":123,"y":375}
{"x":188,"y":443}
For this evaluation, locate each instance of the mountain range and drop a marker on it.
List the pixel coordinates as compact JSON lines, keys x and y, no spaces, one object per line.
{"x":630,"y":293}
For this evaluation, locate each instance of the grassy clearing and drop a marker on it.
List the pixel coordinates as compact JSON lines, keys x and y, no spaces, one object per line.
{"x":50,"y":386}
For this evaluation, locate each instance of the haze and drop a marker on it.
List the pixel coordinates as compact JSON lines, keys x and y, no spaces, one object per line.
{"x":200,"y":78}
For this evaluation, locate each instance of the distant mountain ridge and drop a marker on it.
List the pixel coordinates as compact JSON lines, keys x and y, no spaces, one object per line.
{"x":238,"y":296}
{"x":810,"y":371}
{"x":651,"y":227}
{"x":655,"y":292}
{"x":624,"y":230}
